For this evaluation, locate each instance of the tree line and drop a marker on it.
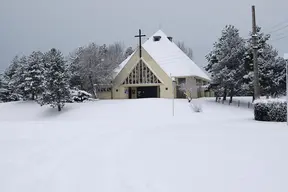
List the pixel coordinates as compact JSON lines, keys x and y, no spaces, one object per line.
{"x":48,"y":78}
{"x":230,"y":64}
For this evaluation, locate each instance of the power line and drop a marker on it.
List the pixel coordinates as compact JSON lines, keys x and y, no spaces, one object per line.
{"x":281,"y":34}
{"x":278,"y":24}
{"x":279,"y":38}
{"x":284,"y":27}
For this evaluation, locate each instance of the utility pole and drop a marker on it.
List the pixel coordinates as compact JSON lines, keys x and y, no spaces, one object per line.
{"x":255,"y":55}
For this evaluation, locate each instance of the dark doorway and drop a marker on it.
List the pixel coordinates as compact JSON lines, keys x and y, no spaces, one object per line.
{"x":130,"y":92}
{"x":147,"y":92}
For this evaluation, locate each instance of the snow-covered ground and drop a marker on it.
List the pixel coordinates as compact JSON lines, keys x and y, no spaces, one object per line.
{"x":137,"y":145}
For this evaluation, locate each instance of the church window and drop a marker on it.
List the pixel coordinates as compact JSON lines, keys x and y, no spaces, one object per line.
{"x":181,"y":81}
{"x":104,"y":89}
{"x":141,"y":74}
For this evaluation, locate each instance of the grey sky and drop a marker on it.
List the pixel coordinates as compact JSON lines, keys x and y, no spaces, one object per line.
{"x":27,"y":25}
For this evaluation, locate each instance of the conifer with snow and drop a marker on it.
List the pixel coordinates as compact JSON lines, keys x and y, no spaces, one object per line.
{"x":34,"y":75}
{"x":56,"y":86}
{"x":13,"y":79}
{"x":225,"y":62}
{"x":272,"y":71}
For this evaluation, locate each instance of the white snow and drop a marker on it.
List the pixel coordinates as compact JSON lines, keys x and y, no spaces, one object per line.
{"x":270,"y":100}
{"x":137,"y":145}
{"x":286,"y":56}
{"x":170,"y":58}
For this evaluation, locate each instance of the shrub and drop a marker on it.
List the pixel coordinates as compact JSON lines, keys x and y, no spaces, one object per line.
{"x":80,"y":95}
{"x":270,"y":110}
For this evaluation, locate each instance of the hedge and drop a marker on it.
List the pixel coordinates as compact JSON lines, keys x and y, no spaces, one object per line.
{"x":270,"y":110}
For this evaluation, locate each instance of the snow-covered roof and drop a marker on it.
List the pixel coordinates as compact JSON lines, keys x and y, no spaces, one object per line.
{"x":169,"y":57}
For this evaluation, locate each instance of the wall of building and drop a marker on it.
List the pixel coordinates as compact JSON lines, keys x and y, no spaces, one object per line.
{"x":104,"y":95}
{"x":120,"y":92}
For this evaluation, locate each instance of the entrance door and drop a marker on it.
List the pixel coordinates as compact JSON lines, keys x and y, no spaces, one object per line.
{"x":130,"y":92}
{"x":147,"y":92}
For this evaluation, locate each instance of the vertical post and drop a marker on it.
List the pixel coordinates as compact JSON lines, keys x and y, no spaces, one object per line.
{"x":255,"y":55}
{"x":140,"y":35}
{"x":173,"y":94}
{"x":140,"y":43}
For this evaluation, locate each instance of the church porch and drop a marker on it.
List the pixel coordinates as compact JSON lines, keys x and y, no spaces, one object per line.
{"x":143,"y":91}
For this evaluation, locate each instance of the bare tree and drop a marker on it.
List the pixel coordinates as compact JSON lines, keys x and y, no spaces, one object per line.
{"x":94,"y":64}
{"x":188,"y":88}
{"x":187,"y":50}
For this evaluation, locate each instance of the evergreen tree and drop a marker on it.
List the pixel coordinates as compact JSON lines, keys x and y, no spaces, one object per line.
{"x":225,"y":62}
{"x":76,"y":78}
{"x":34,"y":75}
{"x":13,"y":79}
{"x":270,"y":66}
{"x":18,"y":79}
{"x":56,"y":84}
{"x":11,"y":70}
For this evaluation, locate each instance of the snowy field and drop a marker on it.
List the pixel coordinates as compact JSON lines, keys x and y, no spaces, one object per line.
{"x":137,"y":145}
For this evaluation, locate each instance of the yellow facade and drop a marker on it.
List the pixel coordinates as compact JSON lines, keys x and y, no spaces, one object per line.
{"x":165,"y":86}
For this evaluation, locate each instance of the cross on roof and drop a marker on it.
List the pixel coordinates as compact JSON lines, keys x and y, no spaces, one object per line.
{"x":140,"y":35}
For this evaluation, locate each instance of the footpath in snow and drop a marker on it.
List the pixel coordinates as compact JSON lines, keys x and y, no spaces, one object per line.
{"x":137,"y":145}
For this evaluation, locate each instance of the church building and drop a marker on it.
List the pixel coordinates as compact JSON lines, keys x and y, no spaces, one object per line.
{"x":156,"y":69}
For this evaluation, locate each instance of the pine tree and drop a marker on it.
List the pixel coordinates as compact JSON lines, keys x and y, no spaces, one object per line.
{"x":271,"y":67}
{"x":225,"y":62}
{"x":3,"y":89}
{"x":13,"y":79}
{"x":76,"y":78}
{"x":56,"y":81}
{"x":18,"y":79}
{"x":34,"y":75}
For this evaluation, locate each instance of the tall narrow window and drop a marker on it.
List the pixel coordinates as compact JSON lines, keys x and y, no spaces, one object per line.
{"x":141,"y":74}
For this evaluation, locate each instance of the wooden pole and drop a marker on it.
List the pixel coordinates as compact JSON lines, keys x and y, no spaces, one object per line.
{"x":255,"y":55}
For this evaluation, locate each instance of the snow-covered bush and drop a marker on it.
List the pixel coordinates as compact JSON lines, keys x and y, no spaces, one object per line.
{"x":80,"y":95}
{"x":270,"y":110}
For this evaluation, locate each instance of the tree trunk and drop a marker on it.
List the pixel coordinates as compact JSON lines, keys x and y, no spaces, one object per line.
{"x":231,"y":95}
{"x":225,"y":95}
{"x":33,"y":96}
{"x":92,"y":86}
{"x":59,"y":107}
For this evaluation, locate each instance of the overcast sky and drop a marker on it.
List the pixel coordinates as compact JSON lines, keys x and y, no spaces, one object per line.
{"x":27,"y":25}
